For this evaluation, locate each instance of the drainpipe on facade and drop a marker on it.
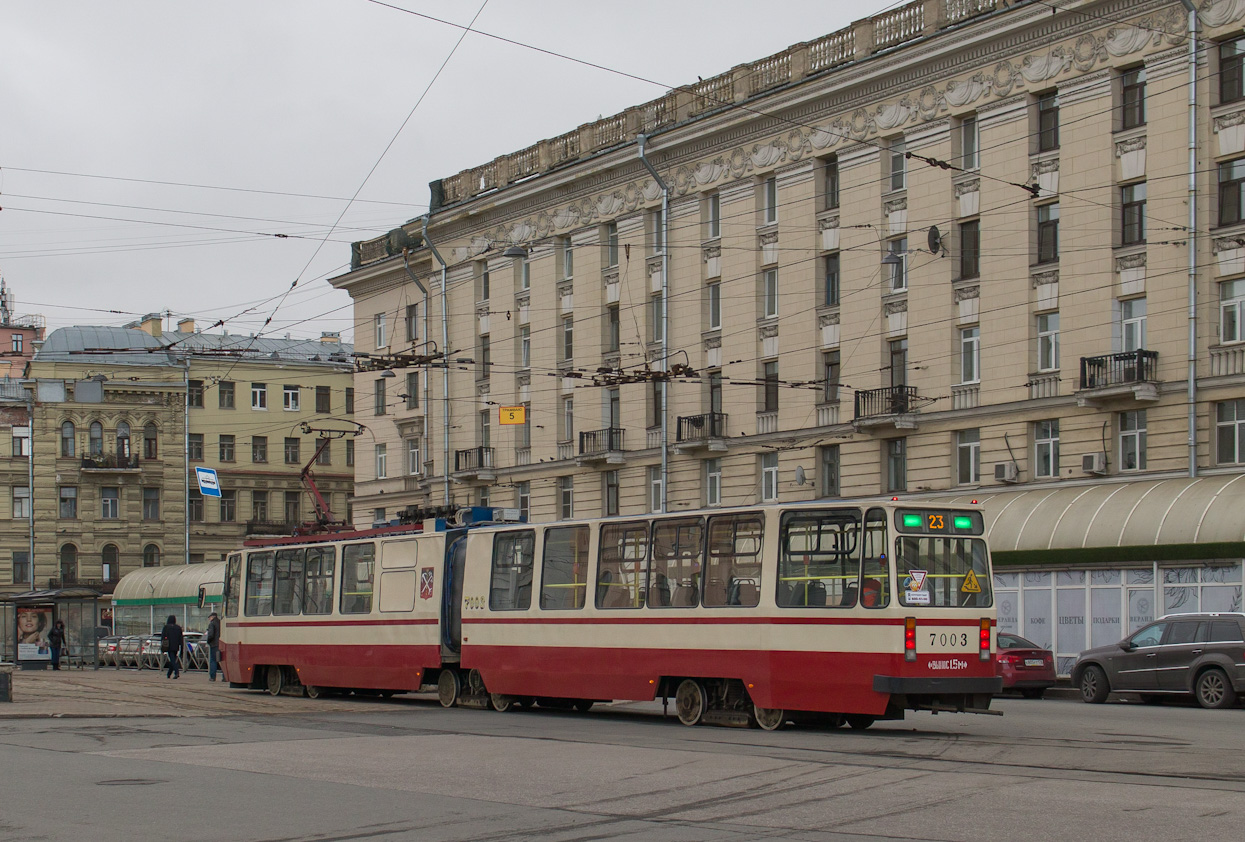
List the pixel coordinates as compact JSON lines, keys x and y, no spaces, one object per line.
{"x":185,"y":450}
{"x":1192,"y":237}
{"x":30,"y":474}
{"x":445,"y":349}
{"x":665,"y":319}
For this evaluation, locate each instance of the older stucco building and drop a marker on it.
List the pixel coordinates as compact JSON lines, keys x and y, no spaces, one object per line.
{"x":945,"y":251}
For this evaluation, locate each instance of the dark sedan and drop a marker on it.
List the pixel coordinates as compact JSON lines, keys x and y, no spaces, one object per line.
{"x":1024,"y":666}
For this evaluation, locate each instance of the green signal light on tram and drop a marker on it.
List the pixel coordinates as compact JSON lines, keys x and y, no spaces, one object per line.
{"x":963,"y":523}
{"x":912,"y":521}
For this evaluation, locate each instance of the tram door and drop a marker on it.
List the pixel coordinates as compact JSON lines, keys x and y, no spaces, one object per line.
{"x":452,"y":598}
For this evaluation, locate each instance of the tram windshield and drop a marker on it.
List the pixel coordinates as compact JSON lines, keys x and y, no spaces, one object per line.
{"x":943,"y":572}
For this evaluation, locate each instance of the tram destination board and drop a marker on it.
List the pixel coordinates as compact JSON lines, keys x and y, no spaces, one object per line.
{"x":939,"y":522}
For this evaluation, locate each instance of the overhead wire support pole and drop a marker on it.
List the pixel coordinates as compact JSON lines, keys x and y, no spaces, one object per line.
{"x":1191,"y":397}
{"x":445,"y":347}
{"x":665,"y":318}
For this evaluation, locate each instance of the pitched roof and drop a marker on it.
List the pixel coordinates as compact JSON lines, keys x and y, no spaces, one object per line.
{"x":129,"y":346}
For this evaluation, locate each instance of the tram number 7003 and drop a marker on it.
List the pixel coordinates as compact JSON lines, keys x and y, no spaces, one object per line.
{"x":944,"y":639}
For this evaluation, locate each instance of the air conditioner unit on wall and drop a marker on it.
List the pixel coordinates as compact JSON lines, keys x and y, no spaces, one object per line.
{"x":1094,"y":463}
{"x":1007,"y":472}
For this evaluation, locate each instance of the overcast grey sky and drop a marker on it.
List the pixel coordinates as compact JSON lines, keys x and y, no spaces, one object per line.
{"x":148,"y":149}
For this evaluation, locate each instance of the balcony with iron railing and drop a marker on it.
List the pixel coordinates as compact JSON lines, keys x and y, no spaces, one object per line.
{"x":109,"y":462}
{"x":270,"y":527}
{"x":1130,"y":375}
{"x":707,"y":430}
{"x":890,"y":406}
{"x":477,"y":463}
{"x":605,"y":445}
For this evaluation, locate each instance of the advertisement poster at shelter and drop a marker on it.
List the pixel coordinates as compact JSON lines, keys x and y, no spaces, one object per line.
{"x":33,"y":624}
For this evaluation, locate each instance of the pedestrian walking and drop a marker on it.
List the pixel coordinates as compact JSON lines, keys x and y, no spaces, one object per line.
{"x":56,"y":642}
{"x":171,"y":642}
{"x":212,"y":638}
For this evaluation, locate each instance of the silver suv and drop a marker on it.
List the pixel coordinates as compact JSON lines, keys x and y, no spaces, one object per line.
{"x":1179,"y":654}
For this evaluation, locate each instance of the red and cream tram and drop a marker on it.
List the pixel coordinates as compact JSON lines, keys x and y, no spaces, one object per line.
{"x":837,"y":611}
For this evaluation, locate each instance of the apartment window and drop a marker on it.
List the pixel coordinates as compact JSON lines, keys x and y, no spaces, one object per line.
{"x":1132,"y":324}
{"x":21,"y":502}
{"x":715,"y":391}
{"x":525,"y":274}
{"x":293,"y":513}
{"x":656,"y":403}
{"x":95,"y":439}
{"x":713,"y":482}
{"x":349,"y":400}
{"x":151,"y":448}
{"x":259,"y":396}
{"x":897,"y":263}
{"x":226,"y":448}
{"x":713,"y":216}
{"x":194,"y":447}
{"x":828,"y":470}
{"x":970,"y":355}
{"x":1229,"y":432}
{"x":151,"y":556}
{"x":228,"y":506}
{"x":609,"y":505}
{"x":524,"y":432}
{"x":657,"y":312}
{"x":1231,"y":311}
{"x":656,"y":231}
{"x":968,"y":457}
{"x":325,"y":449}
{"x":568,"y":418}
{"x":291,"y":398}
{"x":123,"y":440}
{"x":1133,"y":440}
{"x":21,"y":440}
{"x":1231,"y":77}
{"x":523,"y":498}
{"x":567,"y":253}
{"x":412,"y":322}
{"x":714,"y":293}
{"x":224,"y":394}
{"x":486,"y":358}
{"x":293,"y":448}
{"x":323,"y":399}
{"x":378,"y":394}
{"x":568,"y":338}
{"x":566,"y":497}
{"x":194,"y":394}
{"x":898,"y":164}
{"x":1046,"y":449}
{"x":1232,"y":192}
{"x":485,"y":281}
{"x":382,"y":462}
{"x":610,"y":239}
{"x":259,"y":505}
{"x":769,"y":386}
{"x":68,"y":439}
{"x":259,"y":449}
{"x":1048,"y":233}
{"x":654,"y":488}
{"x":21,"y":567}
{"x":970,"y":250}
{"x":379,"y":516}
{"x":1133,"y":98}
{"x":831,"y":372}
{"x":1048,"y":342}
{"x":832,"y":288}
{"x":969,"y":143}
{"x":151,"y":504}
{"x":412,"y":390}
{"x":381,"y":336}
{"x":18,"y":343}
{"x":414,"y":457}
{"x":769,"y":200}
{"x":1048,"y":121}
{"x":194,"y":506}
{"x":349,"y":454}
{"x":613,"y":332}
{"x":896,"y":465}
{"x":769,"y":477}
{"x":68,"y":501}
{"x":1133,"y":214}
{"x":769,"y":293}
{"x":830,"y":183}
{"x":485,"y":428}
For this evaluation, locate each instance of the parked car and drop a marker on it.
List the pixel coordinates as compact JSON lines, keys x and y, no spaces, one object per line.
{"x":1202,"y":655}
{"x":152,"y":655}
{"x":106,"y":650}
{"x":1024,"y":666}
{"x":129,"y":651}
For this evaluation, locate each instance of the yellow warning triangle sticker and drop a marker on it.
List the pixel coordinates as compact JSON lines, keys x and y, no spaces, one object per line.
{"x":971,"y":585}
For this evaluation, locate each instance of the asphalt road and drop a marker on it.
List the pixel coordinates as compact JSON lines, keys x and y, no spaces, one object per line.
{"x":271,"y":769}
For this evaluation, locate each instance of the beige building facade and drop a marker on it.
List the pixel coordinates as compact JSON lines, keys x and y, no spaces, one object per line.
{"x":944,"y":252}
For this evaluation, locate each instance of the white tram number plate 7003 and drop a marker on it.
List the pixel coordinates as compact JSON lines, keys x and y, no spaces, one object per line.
{"x":947,"y":639}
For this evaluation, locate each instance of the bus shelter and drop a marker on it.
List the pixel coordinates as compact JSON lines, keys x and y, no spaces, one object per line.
{"x":26,"y":618}
{"x":144,"y":598}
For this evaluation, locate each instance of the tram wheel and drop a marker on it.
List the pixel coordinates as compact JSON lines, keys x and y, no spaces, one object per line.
{"x":501,"y":702}
{"x":860,"y":721}
{"x":449,"y":686}
{"x":583,"y":705}
{"x":312,"y":691}
{"x":690,"y":702}
{"x":769,"y":719}
{"x":274,"y":680}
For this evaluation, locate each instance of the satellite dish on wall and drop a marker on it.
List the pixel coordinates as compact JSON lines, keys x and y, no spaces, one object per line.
{"x":934,"y":240}
{"x":800,"y":476}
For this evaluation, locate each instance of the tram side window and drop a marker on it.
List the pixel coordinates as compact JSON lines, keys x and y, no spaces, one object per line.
{"x":287,"y":595}
{"x":678,"y":549}
{"x":818,"y":565}
{"x":233,"y":579}
{"x":318,"y":581}
{"x":358,"y":578}
{"x":259,"y":585}
{"x":733,"y":571}
{"x":564,"y":568}
{"x":510,"y":588}
{"x":620,"y":571}
{"x":875,"y":569}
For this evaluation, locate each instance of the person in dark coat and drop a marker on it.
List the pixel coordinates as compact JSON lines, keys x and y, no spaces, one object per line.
{"x":56,"y":641}
{"x":171,"y":642}
{"x":212,"y":639}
